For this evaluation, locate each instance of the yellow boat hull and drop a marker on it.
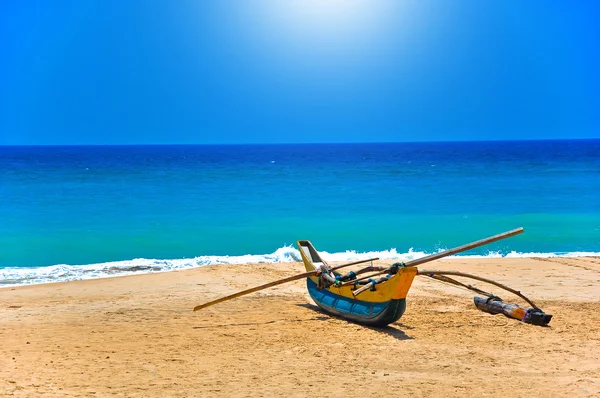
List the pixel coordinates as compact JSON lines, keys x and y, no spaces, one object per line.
{"x":381,"y":306}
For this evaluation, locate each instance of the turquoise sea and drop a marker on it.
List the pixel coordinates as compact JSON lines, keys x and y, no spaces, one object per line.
{"x":75,"y":212}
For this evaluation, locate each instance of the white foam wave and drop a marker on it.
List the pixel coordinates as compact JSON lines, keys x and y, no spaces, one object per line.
{"x":514,"y":254}
{"x":14,"y":276}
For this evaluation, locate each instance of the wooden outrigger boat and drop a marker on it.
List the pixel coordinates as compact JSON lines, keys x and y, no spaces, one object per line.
{"x":376,"y":295}
{"x":379,"y":303}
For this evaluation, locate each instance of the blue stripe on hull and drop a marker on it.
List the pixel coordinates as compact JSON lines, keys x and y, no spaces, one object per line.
{"x":373,"y":314}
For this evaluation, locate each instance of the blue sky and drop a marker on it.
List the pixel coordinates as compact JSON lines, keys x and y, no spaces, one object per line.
{"x":161,"y":72}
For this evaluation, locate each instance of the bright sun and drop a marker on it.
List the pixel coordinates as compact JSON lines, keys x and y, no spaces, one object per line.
{"x":323,"y":20}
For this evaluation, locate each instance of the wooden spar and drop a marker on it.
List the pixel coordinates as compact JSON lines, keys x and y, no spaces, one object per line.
{"x":463,"y":248}
{"x":364,"y":278}
{"x":411,"y":263}
{"x":368,"y":269}
{"x":366,"y":287}
{"x":440,"y":278}
{"x":275,"y":283}
{"x":362,"y":289}
{"x":445,"y":279}
{"x":431,"y":273}
{"x":446,"y":253}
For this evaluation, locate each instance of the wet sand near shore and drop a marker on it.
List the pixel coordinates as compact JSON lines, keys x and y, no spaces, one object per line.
{"x":136,"y":336}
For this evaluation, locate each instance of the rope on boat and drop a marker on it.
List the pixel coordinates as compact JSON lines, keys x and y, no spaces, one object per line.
{"x":351,"y":277}
{"x":373,"y":283}
{"x":392,"y":270}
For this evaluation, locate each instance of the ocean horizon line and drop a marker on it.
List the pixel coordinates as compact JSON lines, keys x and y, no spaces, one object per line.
{"x":299,"y":143}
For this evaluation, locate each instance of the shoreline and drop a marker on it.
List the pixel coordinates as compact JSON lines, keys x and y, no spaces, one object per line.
{"x":285,"y":255}
{"x":136,"y":335}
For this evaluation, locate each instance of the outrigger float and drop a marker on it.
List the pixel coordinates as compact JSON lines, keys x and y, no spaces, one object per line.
{"x":376,"y":295}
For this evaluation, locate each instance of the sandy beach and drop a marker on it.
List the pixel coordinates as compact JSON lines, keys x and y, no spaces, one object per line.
{"x":137,"y":336}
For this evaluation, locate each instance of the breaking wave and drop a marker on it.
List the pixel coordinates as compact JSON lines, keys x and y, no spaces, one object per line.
{"x":14,"y":276}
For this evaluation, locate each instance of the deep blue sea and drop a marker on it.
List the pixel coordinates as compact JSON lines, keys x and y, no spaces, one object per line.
{"x":75,"y":212}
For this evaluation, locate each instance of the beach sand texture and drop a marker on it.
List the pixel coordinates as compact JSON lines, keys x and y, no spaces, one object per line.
{"x":137,"y":336}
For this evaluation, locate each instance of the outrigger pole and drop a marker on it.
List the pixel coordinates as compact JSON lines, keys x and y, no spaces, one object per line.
{"x":493,"y":304}
{"x":433,"y":274}
{"x":411,"y":263}
{"x":463,"y":248}
{"x":437,"y":256}
{"x":275,"y":283}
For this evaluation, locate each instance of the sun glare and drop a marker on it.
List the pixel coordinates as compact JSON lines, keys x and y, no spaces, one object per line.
{"x":323,"y":21}
{"x":314,"y":38}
